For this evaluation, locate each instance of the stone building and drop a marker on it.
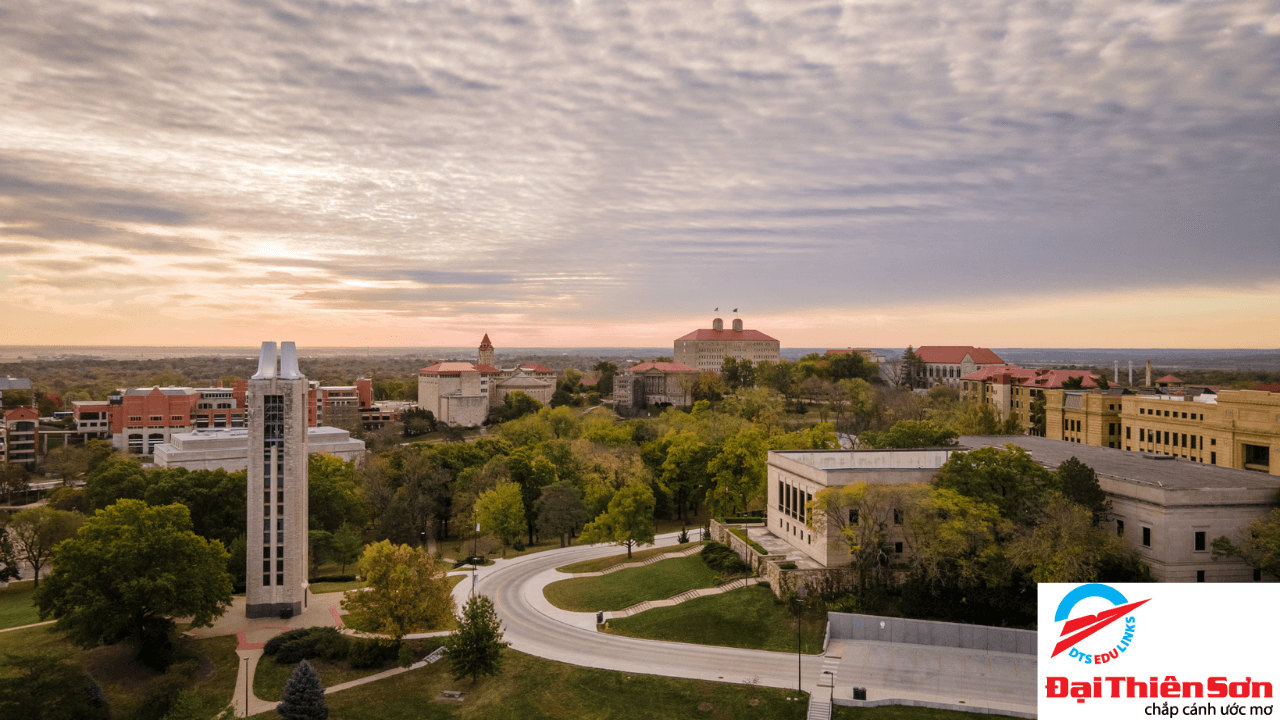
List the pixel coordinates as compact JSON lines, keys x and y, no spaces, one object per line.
{"x":20,"y":436}
{"x":654,"y":383}
{"x":461,"y":393}
{"x":1010,"y":390}
{"x":277,"y":424}
{"x":705,"y":350}
{"x":946,"y":364}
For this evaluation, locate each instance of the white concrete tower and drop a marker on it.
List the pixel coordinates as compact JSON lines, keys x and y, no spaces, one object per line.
{"x":277,"y":507}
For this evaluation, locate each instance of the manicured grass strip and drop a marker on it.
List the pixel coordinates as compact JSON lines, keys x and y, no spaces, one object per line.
{"x":903,"y":712}
{"x":746,"y":618}
{"x":625,"y":588}
{"x":16,"y":607}
{"x":531,"y":688}
{"x":217,"y":679}
{"x":328,"y":587}
{"x":605,"y":563}
{"x":270,"y":677}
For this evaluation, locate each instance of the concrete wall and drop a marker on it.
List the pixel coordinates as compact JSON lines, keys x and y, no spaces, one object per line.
{"x":853,"y":626}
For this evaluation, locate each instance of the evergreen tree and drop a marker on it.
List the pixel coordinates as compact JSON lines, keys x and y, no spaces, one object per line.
{"x":303,"y":697}
{"x":346,"y":546}
{"x":476,"y":648}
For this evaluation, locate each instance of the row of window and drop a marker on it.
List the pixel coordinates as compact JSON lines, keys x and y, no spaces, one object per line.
{"x":1145,"y":411}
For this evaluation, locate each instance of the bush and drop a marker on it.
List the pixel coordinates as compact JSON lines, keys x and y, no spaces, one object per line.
{"x":405,"y":656}
{"x":160,"y":699}
{"x":364,"y":654}
{"x":742,"y":535}
{"x":721,"y":559}
{"x":306,"y":644}
{"x":333,"y":647}
{"x":787,"y":566}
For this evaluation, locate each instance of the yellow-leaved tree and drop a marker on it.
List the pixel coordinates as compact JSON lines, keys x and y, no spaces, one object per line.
{"x":407,"y":592}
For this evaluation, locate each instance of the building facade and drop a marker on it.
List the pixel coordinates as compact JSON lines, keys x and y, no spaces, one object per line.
{"x":1228,"y":428}
{"x":277,"y":405}
{"x":457,"y":393}
{"x":654,"y":383}
{"x":1010,"y":390}
{"x":705,"y":350}
{"x":20,"y":436}
{"x":946,"y":364}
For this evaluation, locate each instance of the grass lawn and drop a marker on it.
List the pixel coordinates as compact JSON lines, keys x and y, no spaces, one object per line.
{"x":270,"y":677}
{"x":329,"y":587}
{"x":902,"y":712}
{"x":126,"y":684}
{"x":16,"y":607}
{"x":604,"y":563}
{"x":625,"y":588}
{"x":744,"y":618}
{"x":531,"y":688}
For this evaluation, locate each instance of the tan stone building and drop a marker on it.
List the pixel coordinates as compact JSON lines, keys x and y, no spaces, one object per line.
{"x":654,"y":383}
{"x":457,"y":393}
{"x":946,"y":364}
{"x":705,"y":350}
{"x":1229,"y":428}
{"x":1010,"y":390}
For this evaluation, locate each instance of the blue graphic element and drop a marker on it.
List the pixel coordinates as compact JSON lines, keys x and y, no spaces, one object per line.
{"x":1106,"y":592}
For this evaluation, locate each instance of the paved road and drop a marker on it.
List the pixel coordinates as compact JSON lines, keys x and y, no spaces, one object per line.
{"x":952,"y":676}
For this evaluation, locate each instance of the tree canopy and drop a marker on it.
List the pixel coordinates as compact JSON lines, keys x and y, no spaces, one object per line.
{"x":36,"y":532}
{"x":476,"y":647}
{"x":406,"y":591}
{"x":1259,"y":546}
{"x":627,"y":522}
{"x":500,"y":512}
{"x":909,"y":434}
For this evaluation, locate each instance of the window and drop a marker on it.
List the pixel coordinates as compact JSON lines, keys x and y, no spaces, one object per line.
{"x":1200,"y":541}
{"x":853,"y":516}
{"x":1146,"y":537}
{"x":1184,"y":439}
{"x":1193,"y":442}
{"x":897,"y":547}
{"x":266,"y":566}
{"x":1213,"y":441}
{"x":1142,"y":435}
{"x":266,"y":580}
{"x":1128,"y":433}
{"x":1120,"y":528}
{"x":279,"y":566}
{"x":280,"y":579}
{"x":897,"y":516}
{"x":266,"y":553}
{"x":1257,"y":576}
{"x":1213,"y":458}
{"x":1199,"y":576}
{"x":279,"y":552}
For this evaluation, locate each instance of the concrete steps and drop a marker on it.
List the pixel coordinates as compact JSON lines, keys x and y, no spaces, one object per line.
{"x":682,"y":597}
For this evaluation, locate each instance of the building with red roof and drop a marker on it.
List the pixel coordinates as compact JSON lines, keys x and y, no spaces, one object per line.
{"x":948,"y":363}
{"x":1010,"y":389}
{"x":705,"y":350}
{"x":20,"y":436}
{"x":653,"y":384}
{"x":461,"y":393}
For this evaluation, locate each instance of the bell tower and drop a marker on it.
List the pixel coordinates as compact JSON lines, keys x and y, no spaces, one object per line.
{"x":485,"y":355}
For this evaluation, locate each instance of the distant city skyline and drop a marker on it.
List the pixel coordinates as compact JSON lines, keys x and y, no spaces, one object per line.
{"x":1080,"y":174}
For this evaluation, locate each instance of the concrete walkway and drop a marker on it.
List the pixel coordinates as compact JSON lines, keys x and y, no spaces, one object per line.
{"x":682,"y":597}
{"x":640,"y":563}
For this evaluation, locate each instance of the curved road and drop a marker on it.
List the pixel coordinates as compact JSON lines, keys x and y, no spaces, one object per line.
{"x":532,"y":626}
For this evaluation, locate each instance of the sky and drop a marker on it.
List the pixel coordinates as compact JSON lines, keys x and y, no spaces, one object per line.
{"x":1059,"y":173}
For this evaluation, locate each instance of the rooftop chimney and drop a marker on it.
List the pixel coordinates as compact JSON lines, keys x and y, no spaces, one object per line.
{"x":717,"y":324}
{"x":737,"y":324}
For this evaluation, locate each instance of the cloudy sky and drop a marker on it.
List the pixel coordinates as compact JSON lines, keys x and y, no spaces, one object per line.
{"x":1054,"y":173}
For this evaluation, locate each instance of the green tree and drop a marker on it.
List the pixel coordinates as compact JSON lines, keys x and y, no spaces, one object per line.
{"x":738,"y":471}
{"x":72,"y":462}
{"x":319,"y":546}
{"x":303,"y":696}
{"x":607,"y":372}
{"x":709,"y":386}
{"x":216,"y":499}
{"x":627,"y":522}
{"x":332,"y":495}
{"x":1259,"y":547}
{"x":406,"y":591}
{"x":684,"y":469}
{"x":500,"y":512}
{"x":1038,"y":416}
{"x":8,"y":557}
{"x":1079,"y":484}
{"x":560,"y":510}
{"x":1073,"y":383}
{"x":913,"y":369}
{"x":1064,"y":545}
{"x":237,"y":559}
{"x":909,"y":434}
{"x":476,"y":647}
{"x":36,"y":532}
{"x":951,"y":540}
{"x":13,"y":478}
{"x":129,"y":569}
{"x":861,"y":514}
{"x":729,"y":371}
{"x":849,"y":366}
{"x":532,"y":472}
{"x":346,"y":546}
{"x":43,"y":687}
{"x":115,"y":479}
{"x":1005,"y":477}
{"x":417,"y":421}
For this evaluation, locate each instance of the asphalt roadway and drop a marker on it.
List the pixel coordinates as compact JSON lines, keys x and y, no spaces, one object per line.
{"x":951,"y":676}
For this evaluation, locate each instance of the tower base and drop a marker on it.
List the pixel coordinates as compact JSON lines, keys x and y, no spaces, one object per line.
{"x":260,"y":610}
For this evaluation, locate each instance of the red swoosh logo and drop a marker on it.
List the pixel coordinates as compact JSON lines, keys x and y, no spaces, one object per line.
{"x":1091,"y":625}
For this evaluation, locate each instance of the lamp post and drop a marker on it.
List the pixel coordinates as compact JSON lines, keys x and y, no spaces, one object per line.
{"x":801,"y":591}
{"x":831,"y":696}
{"x":246,"y":687}
{"x":475,"y":545}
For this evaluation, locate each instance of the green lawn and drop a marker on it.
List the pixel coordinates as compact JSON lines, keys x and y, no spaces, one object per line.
{"x":625,"y":588}
{"x":744,"y":618}
{"x":16,"y":608}
{"x":902,"y":712}
{"x":329,"y":587}
{"x":531,"y":688}
{"x":605,"y":563}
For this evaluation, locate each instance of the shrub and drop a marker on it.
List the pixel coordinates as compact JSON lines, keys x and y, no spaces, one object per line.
{"x":721,"y":559}
{"x":787,"y":566}
{"x":742,"y":535}
{"x":305,"y":644}
{"x":364,"y":654}
{"x":333,"y":647}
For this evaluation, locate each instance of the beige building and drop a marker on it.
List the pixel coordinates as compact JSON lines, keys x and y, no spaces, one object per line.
{"x":457,"y":393}
{"x":228,"y":449}
{"x":654,"y":383}
{"x":705,"y":350}
{"x":1010,"y":390}
{"x":1229,"y":428}
{"x":946,"y":364}
{"x":1170,"y":510}
{"x":538,"y":389}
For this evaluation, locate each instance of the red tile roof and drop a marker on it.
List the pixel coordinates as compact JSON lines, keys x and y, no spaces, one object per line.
{"x":535,"y":367}
{"x":453,"y":368}
{"x":1271,"y":388}
{"x":952,"y":354}
{"x":730,"y":335}
{"x":661,"y":367}
{"x":22,"y":413}
{"x":1171,"y":379}
{"x":485,"y":344}
{"x":1043,"y":378}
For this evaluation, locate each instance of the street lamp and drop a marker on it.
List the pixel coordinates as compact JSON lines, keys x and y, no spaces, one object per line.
{"x":831,"y":696}
{"x":475,"y":545}
{"x":246,"y":687}
{"x":801,"y":591}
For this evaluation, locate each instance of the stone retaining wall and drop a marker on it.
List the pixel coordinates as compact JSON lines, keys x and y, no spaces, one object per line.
{"x":851,"y":626}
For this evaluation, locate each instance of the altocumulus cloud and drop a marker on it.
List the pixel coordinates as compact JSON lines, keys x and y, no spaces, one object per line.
{"x":579,"y":159}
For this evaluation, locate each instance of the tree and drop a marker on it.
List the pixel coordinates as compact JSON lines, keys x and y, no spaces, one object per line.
{"x":909,"y":434}
{"x":628,"y":521}
{"x":1259,"y":547}
{"x":37,"y":531}
{"x":738,"y":471}
{"x":912,"y":369}
{"x":709,"y":386}
{"x":117,"y":478}
{"x":332,"y":495}
{"x":418,"y":421}
{"x":515,"y":405}
{"x":607,"y":372}
{"x":44,"y":687}
{"x":560,"y":510}
{"x":1005,"y":477}
{"x":303,"y":697}
{"x":216,"y":499}
{"x":476,"y":647}
{"x":861,"y":513}
{"x":8,"y":557}
{"x":71,"y":462}
{"x":13,"y":478}
{"x":1038,"y":416}
{"x":1079,"y":484}
{"x":129,"y":569}
{"x":532,"y":472}
{"x":500,"y":512}
{"x":1073,"y":383}
{"x":951,"y":540}
{"x":406,"y":591}
{"x":1065,"y":546}
{"x":319,"y":545}
{"x":346,"y":546}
